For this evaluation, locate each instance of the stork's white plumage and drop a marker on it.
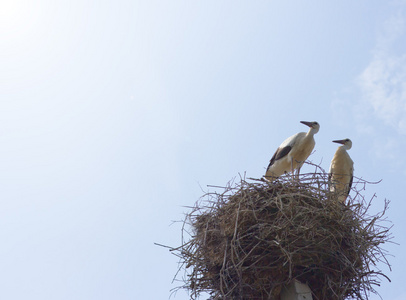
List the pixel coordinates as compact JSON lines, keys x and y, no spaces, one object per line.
{"x":293,"y":152}
{"x":341,"y":170}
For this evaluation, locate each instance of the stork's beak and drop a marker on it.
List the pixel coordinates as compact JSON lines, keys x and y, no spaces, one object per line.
{"x":310,"y":124}
{"x":339,"y":142}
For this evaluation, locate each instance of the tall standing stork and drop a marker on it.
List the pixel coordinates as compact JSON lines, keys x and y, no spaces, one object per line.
{"x":341,"y":171}
{"x":293,"y":152}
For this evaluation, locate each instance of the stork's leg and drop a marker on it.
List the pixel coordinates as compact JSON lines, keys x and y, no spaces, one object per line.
{"x":291,"y":165}
{"x":292,"y":169}
{"x":297,"y":174}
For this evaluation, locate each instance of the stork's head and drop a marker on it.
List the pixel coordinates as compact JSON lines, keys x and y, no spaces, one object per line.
{"x":347,"y":144}
{"x":314,"y":126}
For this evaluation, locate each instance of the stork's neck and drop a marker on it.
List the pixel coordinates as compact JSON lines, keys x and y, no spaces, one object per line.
{"x":311,"y":132}
{"x":342,"y":148}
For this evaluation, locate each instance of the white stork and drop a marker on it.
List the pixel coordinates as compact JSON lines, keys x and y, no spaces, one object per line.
{"x":341,"y":171}
{"x":293,"y":152}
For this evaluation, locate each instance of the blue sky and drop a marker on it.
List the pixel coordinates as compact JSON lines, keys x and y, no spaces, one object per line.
{"x":114,"y":115}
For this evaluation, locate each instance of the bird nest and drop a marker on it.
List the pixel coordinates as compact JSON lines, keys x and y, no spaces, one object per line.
{"x":254,"y":237}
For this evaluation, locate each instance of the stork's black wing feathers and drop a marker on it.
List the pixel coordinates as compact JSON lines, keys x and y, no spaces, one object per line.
{"x":350,"y":185}
{"x":280,"y":152}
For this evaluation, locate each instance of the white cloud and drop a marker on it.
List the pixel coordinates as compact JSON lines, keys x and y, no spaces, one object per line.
{"x":383,"y":82}
{"x":383,"y":85}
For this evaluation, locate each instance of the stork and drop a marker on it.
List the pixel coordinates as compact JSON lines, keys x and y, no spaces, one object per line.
{"x":293,"y":152}
{"x":341,"y":170}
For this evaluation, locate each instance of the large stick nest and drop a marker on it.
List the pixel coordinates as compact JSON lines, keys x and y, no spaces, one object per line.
{"x":253,"y":237}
